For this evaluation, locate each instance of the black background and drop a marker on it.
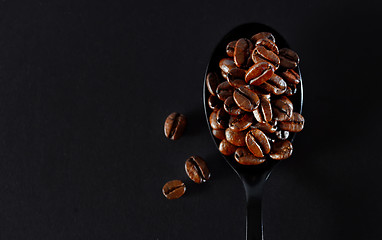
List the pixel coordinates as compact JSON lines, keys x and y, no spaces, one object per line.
{"x":85,"y":87}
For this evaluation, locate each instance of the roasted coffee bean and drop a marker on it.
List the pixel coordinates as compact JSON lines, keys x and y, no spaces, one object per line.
{"x":288,"y":58}
{"x":291,"y":90}
{"x":213,"y":121}
{"x":236,"y":73}
{"x":219,"y":133}
{"x":212,"y":82}
{"x":230,"y":49}
{"x":236,"y":138}
{"x":174,"y":189}
{"x":265,"y":127}
{"x":281,"y":150}
{"x":291,"y":76}
{"x":224,"y":90}
{"x":227,"y":148}
{"x":264,"y":112}
{"x":174,"y":125}
{"x":246,"y":98}
{"x":224,"y":75}
{"x":197,"y":170}
{"x":214,"y":102}
{"x":243,"y":49}
{"x":262,"y":54}
{"x":268,"y":44}
{"x":231,"y":107}
{"x":257,"y":142}
{"x":245,"y":157}
{"x":226,"y":64}
{"x":222,"y":118}
{"x":282,"y":135}
{"x":240,"y":122}
{"x":293,"y":124}
{"x":262,"y":35}
{"x":275,"y":85}
{"x":237,"y":83}
{"x":282,"y":108}
{"x":259,"y":73}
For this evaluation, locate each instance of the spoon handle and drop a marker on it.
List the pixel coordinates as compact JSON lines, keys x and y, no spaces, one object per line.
{"x":254,"y":219}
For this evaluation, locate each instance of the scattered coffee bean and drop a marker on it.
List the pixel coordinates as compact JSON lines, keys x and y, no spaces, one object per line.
{"x":174,"y":125}
{"x":258,"y":143}
{"x":281,"y":150}
{"x":245,"y":157}
{"x":227,"y":148}
{"x":197,"y":170}
{"x":174,"y":189}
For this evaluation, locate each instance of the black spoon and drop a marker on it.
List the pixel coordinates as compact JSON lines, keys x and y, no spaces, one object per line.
{"x":253,"y":177}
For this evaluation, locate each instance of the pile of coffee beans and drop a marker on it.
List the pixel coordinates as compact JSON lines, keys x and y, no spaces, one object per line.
{"x":252,"y":113}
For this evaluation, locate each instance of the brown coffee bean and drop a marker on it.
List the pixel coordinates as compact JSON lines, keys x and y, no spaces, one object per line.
{"x":226,"y":64}
{"x":291,"y":90}
{"x":197,"y":170}
{"x":212,"y":82}
{"x":281,"y":150}
{"x":268,"y":44}
{"x":262,"y":54}
{"x":230,"y":49}
{"x":282,"y":108}
{"x":291,"y":76}
{"x":214,"y":102}
{"x":264,"y":112}
{"x":222,"y":118}
{"x":257,"y":142}
{"x":245,"y":157}
{"x":237,"y":83}
{"x":288,"y":58}
{"x":246,"y":98}
{"x":293,"y":124}
{"x":219,"y":133}
{"x":224,"y":90}
{"x":259,"y":73}
{"x":236,"y":74}
{"x":243,"y":49}
{"x":227,"y":148}
{"x":265,"y":127}
{"x":282,"y":135}
{"x":262,"y":35}
{"x":174,"y":125}
{"x":231,"y":107}
{"x":240,"y":122}
{"x":213,"y":121}
{"x":275,"y":85}
{"x":236,"y":138}
{"x":174,"y":189}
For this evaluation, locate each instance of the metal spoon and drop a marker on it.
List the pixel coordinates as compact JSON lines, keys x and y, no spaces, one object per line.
{"x":253,"y":177}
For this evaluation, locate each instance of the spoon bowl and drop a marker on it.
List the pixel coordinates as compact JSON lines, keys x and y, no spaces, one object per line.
{"x":253,"y":177}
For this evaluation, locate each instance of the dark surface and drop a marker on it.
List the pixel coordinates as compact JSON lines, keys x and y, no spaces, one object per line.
{"x":85,"y":88}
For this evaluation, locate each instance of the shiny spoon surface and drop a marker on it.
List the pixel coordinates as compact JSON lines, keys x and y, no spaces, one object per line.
{"x":252,"y":177}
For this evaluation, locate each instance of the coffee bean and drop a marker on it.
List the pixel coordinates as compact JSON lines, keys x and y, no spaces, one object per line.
{"x":281,"y":150}
{"x":236,"y":138}
{"x":291,"y":76}
{"x":282,"y":135}
{"x":262,"y":54}
{"x":219,"y":133}
{"x":235,"y":74}
{"x":293,"y":124}
{"x":222,"y":118}
{"x":246,"y":98}
{"x":291,"y":89}
{"x":282,"y":108}
{"x":265,"y":127}
{"x":224,"y":75}
{"x":288,"y":58}
{"x":275,"y":85}
{"x":237,"y":83}
{"x":257,"y":142}
{"x":224,"y":90}
{"x":212,"y":82}
{"x":259,"y":73}
{"x":174,"y":189}
{"x":268,"y":44}
{"x":214,"y":102}
{"x":230,"y":49}
{"x":245,"y":157}
{"x":197,"y":170}
{"x":264,"y":112}
{"x":213,"y":121}
{"x":243,"y":49}
{"x":174,"y":125}
{"x":226,"y":64}
{"x":231,"y":107}
{"x":240,"y":122}
{"x":262,"y":35}
{"x":227,"y":148}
